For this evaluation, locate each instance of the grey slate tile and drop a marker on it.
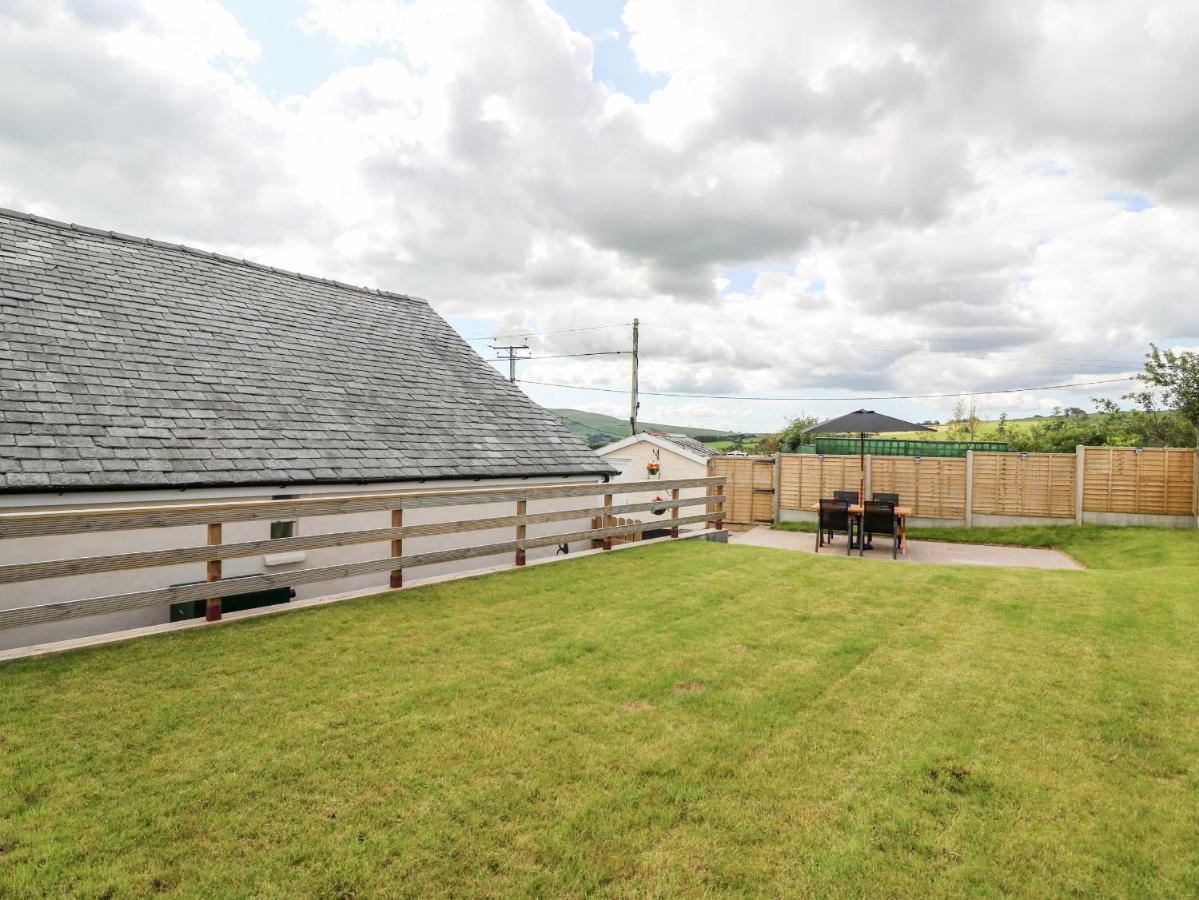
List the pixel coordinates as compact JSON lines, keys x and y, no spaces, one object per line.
{"x":167,"y":366}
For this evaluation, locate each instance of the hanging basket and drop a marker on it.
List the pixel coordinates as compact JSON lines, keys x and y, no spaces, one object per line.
{"x":659,"y":506}
{"x":653,"y":468}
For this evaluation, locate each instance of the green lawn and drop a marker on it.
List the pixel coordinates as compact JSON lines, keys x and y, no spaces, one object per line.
{"x":682,"y":718}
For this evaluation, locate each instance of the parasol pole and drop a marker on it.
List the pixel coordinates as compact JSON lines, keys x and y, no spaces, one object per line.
{"x":862,"y":468}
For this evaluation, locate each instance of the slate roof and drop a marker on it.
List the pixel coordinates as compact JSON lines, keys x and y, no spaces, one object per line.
{"x":688,"y":443}
{"x":130,"y":363}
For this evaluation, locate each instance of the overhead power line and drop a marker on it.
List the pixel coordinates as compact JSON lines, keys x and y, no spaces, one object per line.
{"x":511,"y":356}
{"x":591,"y":428}
{"x":577,"y":355}
{"x":1043,"y":387}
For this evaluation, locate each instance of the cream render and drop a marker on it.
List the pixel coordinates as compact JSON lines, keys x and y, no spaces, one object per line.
{"x":632,"y":455}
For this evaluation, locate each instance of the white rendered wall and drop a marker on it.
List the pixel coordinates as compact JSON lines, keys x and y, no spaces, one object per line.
{"x":632,"y":460}
{"x":16,"y":550}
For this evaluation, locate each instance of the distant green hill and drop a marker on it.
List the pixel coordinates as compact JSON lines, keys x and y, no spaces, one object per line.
{"x":597,"y":429}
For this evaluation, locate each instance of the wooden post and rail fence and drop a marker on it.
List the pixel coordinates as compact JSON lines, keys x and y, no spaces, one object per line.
{"x":1103,"y":485}
{"x":607,"y":522}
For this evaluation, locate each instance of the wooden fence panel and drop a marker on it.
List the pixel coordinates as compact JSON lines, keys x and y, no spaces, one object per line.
{"x":1043,"y":485}
{"x":934,"y":487}
{"x":763,"y":490}
{"x":738,"y":475}
{"x":749,"y":487}
{"x":806,"y":478}
{"x":1150,"y":481}
{"x":631,"y":536}
{"x":790,"y":467}
{"x":1033,"y":484}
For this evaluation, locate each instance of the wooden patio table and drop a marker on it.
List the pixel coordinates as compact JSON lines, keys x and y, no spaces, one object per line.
{"x":901,"y":513}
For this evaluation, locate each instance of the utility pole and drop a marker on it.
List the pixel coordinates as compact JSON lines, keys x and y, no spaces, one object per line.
{"x":512,"y":357}
{"x":634,"y":404}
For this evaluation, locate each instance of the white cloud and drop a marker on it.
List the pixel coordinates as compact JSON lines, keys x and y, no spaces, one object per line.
{"x":903,"y":178}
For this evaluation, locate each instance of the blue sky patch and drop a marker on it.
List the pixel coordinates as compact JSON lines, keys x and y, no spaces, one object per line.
{"x":740,"y":280}
{"x":615,"y":64}
{"x":1132,"y":202}
{"x":293,"y":61}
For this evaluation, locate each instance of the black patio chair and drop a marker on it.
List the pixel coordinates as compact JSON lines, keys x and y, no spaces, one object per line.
{"x":881,"y":497}
{"x":850,"y":497}
{"x":880,"y":518}
{"x":834,"y":516}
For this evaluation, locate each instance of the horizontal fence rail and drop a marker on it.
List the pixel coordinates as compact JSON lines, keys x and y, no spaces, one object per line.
{"x":214,"y":514}
{"x":89,"y":565}
{"x":76,"y":521}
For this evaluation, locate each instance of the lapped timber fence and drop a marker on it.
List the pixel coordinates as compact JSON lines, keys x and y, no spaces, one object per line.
{"x":607,"y":520}
{"x":1110,"y":485}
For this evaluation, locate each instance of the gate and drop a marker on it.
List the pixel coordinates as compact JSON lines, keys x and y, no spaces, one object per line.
{"x":748,"y":488}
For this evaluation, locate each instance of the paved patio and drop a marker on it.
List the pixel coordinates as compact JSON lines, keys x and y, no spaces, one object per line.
{"x":918,"y":551}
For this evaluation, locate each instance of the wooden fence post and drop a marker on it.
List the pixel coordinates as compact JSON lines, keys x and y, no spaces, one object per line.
{"x":607,"y":540}
{"x":969,"y":488}
{"x":674,"y":515}
{"x":212,"y":607}
{"x":397,"y":548}
{"x":778,"y":488}
{"x":522,"y":508}
{"x":1080,"y":466}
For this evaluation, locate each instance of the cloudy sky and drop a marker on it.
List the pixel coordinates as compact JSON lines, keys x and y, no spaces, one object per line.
{"x":798,"y":200}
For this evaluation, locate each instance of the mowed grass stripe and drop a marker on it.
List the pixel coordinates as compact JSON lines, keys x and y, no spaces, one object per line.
{"x":674,"y":719}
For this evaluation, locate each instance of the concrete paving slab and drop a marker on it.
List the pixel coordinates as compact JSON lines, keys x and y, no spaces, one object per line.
{"x":918,"y":551}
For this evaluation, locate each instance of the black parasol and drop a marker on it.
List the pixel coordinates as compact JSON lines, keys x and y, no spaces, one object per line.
{"x":863,"y":422}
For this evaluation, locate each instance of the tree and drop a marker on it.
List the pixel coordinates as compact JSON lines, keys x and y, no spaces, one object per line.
{"x":789,"y":439}
{"x":1001,"y":428}
{"x":1175,"y":377}
{"x":957,"y":417}
{"x":1109,"y":425}
{"x":768,"y":444}
{"x":965,"y":422}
